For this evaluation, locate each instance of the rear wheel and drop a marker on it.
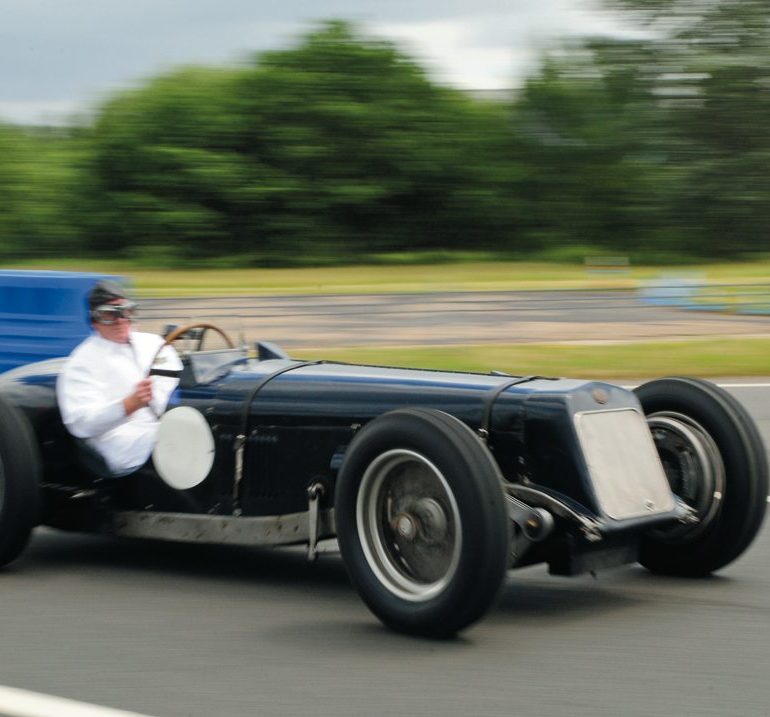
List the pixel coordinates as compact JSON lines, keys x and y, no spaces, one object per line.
{"x":421,"y":521}
{"x":19,"y":482}
{"x":715,"y":461}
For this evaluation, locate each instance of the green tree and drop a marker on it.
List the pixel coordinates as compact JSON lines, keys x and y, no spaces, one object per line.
{"x":165,"y":179}
{"x":723,"y":121}
{"x":712,"y":79}
{"x":335,"y":149}
{"x":590,"y":142}
{"x":368,"y":154}
{"x":655,"y":145}
{"x":39,"y":176}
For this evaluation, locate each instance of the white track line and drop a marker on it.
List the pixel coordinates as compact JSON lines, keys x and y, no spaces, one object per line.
{"x":22,"y":703}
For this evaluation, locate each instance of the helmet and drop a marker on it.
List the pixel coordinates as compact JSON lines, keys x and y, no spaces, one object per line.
{"x":102,"y":293}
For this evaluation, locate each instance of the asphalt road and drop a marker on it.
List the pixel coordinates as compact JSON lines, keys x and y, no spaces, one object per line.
{"x":177,"y":630}
{"x":316,"y":322}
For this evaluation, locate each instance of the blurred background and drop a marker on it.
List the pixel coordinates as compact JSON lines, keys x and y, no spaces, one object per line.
{"x":638,"y":129}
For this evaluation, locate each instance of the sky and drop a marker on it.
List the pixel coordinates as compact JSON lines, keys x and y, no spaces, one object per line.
{"x":59,"y":59}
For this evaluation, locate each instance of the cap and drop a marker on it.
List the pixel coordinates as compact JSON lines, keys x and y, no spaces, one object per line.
{"x":104,"y":292}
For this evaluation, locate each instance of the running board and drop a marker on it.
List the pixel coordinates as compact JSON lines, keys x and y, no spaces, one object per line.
{"x":289,"y":529}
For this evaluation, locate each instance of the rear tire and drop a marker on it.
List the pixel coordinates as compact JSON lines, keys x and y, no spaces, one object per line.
{"x":715,"y":461}
{"x":421,"y":522}
{"x":20,"y":472}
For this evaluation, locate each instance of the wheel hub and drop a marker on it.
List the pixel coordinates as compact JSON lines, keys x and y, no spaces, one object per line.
{"x":406,"y":526}
{"x":409,"y":524}
{"x":693,"y":467}
{"x":426,"y":519}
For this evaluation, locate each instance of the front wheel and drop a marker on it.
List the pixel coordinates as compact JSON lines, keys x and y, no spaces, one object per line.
{"x":715,"y":462}
{"x":421,"y":521}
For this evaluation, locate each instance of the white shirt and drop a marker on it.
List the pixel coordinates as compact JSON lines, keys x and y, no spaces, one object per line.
{"x":96,"y":378}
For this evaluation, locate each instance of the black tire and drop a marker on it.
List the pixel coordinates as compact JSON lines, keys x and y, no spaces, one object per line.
{"x":19,"y":482}
{"x":714,"y":460}
{"x":421,"y":522}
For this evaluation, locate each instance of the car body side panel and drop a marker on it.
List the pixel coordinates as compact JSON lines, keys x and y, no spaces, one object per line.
{"x":300,"y":422}
{"x":298,"y":418}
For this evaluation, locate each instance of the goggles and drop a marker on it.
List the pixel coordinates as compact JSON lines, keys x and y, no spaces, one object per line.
{"x":108,"y":314}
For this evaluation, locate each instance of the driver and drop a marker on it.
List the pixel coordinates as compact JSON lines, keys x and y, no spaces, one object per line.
{"x":105,"y":395}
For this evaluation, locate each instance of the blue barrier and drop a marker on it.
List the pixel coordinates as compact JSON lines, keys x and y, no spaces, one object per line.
{"x":694,"y":293}
{"x":43,"y":314}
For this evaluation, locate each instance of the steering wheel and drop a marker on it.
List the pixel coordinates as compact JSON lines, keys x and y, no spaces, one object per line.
{"x":179,"y":333}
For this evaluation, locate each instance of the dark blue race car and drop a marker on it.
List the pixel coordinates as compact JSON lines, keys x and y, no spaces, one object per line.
{"x":434,"y":483}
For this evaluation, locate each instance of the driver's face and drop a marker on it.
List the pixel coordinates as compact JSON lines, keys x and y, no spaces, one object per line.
{"x":120,"y":331}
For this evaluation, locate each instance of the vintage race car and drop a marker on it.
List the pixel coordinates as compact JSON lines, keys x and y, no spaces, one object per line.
{"x":434,"y":483}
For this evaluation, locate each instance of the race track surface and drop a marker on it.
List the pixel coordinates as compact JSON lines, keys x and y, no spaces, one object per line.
{"x":447,"y":318}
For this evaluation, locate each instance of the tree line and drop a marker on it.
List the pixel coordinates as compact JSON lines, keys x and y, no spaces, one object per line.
{"x":341,"y":149}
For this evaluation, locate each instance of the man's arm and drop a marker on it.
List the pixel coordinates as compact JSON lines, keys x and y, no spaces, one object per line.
{"x":163,"y":386}
{"x":83,"y":407}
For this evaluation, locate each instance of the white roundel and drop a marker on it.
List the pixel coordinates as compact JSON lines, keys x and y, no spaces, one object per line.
{"x":184,"y":453}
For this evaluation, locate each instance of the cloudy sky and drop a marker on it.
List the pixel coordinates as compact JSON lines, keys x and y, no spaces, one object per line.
{"x":59,"y":58}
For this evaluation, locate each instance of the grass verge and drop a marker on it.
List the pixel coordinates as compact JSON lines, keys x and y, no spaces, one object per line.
{"x":695,"y":357}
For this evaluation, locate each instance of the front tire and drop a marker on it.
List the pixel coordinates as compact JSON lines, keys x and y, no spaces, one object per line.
{"x":421,"y":522}
{"x":715,"y":461}
{"x":19,"y":482}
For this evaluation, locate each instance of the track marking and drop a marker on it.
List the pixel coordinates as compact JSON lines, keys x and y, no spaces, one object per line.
{"x":23,"y":703}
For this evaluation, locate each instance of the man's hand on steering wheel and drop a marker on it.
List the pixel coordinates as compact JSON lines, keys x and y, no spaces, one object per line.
{"x":180,"y":333}
{"x":141,"y":397}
